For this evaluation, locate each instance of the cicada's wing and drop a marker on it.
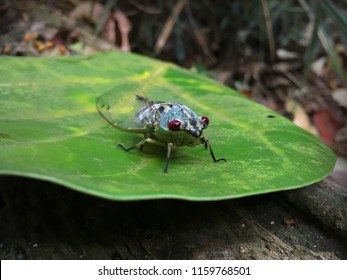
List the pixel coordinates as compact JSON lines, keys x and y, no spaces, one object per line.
{"x":121,"y":107}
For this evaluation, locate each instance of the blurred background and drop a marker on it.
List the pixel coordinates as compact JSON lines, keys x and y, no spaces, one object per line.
{"x":290,"y":56}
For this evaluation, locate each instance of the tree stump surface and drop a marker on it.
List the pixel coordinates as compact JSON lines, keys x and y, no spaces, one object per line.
{"x":41,"y":220}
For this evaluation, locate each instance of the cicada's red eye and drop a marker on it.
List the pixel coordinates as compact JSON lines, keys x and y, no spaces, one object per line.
{"x":174,"y":125}
{"x":205,"y":120}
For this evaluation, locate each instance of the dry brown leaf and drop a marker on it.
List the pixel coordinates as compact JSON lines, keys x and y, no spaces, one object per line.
{"x":224,"y":75}
{"x":340,"y":96}
{"x":319,"y":66}
{"x":301,"y":118}
{"x":286,"y":54}
{"x":326,"y":124}
{"x":124,"y":26}
{"x":87,"y":10}
{"x":92,"y":11}
{"x":109,"y":30}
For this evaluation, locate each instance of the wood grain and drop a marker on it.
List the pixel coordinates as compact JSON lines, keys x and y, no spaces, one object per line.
{"x":40,"y":220}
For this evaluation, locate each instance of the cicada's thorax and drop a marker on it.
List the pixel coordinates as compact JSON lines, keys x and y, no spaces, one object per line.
{"x":160,"y":114}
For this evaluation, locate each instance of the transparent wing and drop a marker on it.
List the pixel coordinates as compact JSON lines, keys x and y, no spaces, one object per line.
{"x":121,"y":107}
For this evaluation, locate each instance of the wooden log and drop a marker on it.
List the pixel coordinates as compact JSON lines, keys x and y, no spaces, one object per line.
{"x":40,"y":220}
{"x":326,"y":202}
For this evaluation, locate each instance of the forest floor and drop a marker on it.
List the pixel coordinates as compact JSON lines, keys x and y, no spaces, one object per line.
{"x":285,"y":225}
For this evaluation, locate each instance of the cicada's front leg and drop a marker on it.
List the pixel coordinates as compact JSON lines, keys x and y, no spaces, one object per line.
{"x":207,"y":144}
{"x":170,"y":147}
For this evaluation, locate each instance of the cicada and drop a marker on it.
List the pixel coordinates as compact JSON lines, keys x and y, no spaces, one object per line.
{"x":166,"y":124}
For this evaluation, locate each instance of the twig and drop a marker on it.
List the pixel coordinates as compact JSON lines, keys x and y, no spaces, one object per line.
{"x":198,"y":35}
{"x":294,"y":79}
{"x":268,"y":25}
{"x":165,"y":32}
{"x":148,"y":10}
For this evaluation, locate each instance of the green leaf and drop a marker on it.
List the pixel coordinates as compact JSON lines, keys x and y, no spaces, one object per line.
{"x":336,"y":14}
{"x":324,"y":36}
{"x":50,"y":129}
{"x":329,"y":47}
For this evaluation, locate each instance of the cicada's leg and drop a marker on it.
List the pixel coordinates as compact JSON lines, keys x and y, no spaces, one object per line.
{"x":141,"y":147}
{"x":207,"y":144}
{"x":204,"y":142}
{"x":170,"y":146}
{"x":142,"y":143}
{"x":138,"y":145}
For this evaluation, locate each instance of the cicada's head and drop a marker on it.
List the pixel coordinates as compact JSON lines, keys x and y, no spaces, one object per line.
{"x":192,"y":126}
